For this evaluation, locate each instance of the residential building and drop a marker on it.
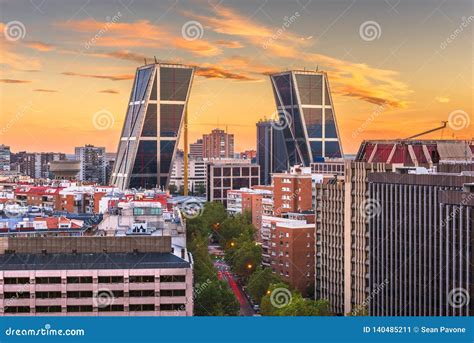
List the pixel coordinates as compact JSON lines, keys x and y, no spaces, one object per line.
{"x":93,"y":164}
{"x":225,"y":175}
{"x":306,"y":116}
{"x":218,"y":144}
{"x":65,"y":169}
{"x":292,"y":191}
{"x":195,"y":149}
{"x":152,"y":126}
{"x":4,"y":158}
{"x":420,"y":243}
{"x":290,"y":252}
{"x":94,"y":276}
{"x":35,"y":165}
{"x":248,"y":155}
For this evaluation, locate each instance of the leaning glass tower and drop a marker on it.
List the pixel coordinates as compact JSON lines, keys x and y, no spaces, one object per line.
{"x":152,"y":126}
{"x":306,"y":116}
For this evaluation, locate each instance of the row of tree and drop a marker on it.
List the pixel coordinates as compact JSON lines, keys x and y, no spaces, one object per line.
{"x":212,"y":297}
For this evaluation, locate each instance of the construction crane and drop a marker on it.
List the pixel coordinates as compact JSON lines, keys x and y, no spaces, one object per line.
{"x":444,"y":123}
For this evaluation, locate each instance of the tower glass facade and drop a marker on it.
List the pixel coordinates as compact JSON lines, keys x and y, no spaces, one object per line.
{"x":305,"y":109}
{"x":152,"y":126}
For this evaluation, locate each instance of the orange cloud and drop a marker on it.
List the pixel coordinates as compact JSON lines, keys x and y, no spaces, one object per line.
{"x":357,"y":80}
{"x":230,"y":44}
{"x":98,"y":76}
{"x":40,"y":46}
{"x":13,"y":59}
{"x":14,"y":81}
{"x":213,"y":72}
{"x":141,"y":33}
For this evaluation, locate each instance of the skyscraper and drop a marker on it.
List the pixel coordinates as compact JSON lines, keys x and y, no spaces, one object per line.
{"x":4,"y":158}
{"x":306,"y":116}
{"x":152,"y":126}
{"x":271,"y":151}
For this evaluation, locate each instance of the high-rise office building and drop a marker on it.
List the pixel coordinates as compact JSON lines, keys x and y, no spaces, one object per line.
{"x":218,"y":144}
{"x":93,"y":163}
{"x":306,"y":116}
{"x":380,"y":157}
{"x":271,"y":150}
{"x":195,"y":149}
{"x":420,"y":244}
{"x":152,"y":126}
{"x":4,"y":158}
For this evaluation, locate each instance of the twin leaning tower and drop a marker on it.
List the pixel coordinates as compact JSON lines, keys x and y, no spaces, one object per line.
{"x":155,"y":116}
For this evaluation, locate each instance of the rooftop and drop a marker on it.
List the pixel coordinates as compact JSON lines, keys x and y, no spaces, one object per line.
{"x":91,"y":261}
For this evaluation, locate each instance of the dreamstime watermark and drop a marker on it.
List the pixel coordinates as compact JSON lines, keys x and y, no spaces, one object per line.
{"x":192,"y":208}
{"x":464,"y":25}
{"x":281,"y":119}
{"x":370,"y":208}
{"x":458,"y":297}
{"x":466,"y":199}
{"x":44,"y":331}
{"x":103,"y":120}
{"x":14,"y":30}
{"x":12,"y":209}
{"x":103,"y":298}
{"x":288,"y":21}
{"x":370,"y":30}
{"x":198,"y":289}
{"x":367,"y":300}
{"x":378,"y":111}
{"x":280,"y":297}
{"x":18,"y":115}
{"x":110,"y":22}
{"x":458,"y":120}
{"x":192,"y":30}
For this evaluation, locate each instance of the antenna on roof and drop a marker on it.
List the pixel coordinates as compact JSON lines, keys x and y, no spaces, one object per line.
{"x":317,"y":68}
{"x":144,"y":59}
{"x":155,"y":59}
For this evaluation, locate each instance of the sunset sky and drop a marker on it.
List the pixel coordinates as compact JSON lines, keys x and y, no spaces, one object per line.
{"x":396,"y":68}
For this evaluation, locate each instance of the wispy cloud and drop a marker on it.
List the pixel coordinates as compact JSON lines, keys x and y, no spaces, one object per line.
{"x":230,"y":44}
{"x":109,"y":91}
{"x":214,"y":72}
{"x":44,"y":90}
{"x":99,"y":76}
{"x":14,"y":81}
{"x":442,"y":99}
{"x":40,"y":46}
{"x":358,"y":80}
{"x":141,"y":33}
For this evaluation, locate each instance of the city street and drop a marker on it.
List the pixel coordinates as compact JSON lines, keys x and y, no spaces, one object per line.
{"x":224,"y":273}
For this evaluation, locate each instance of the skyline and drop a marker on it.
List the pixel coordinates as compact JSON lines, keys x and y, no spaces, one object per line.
{"x":395,"y":76}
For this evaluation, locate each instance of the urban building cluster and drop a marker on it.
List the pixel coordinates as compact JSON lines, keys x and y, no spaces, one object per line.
{"x":386,"y":233}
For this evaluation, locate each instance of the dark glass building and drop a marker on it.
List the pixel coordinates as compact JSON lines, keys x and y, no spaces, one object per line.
{"x":307,"y":118}
{"x":152,"y":126}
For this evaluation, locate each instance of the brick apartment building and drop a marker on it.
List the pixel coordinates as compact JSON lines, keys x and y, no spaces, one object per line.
{"x":218,"y":144}
{"x":292,"y":191}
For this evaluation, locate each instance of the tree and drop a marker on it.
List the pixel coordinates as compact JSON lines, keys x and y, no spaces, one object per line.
{"x":259,"y":283}
{"x":281,"y":301}
{"x":172,"y":189}
{"x":215,"y":299}
{"x":200,"y":189}
{"x":246,"y":258}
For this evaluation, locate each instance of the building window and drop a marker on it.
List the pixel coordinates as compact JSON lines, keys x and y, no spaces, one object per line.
{"x":172,"y":278}
{"x":48,"y":309}
{"x":140,"y":307}
{"x":110,"y":279}
{"x":47,"y":295}
{"x":142,"y":293}
{"x":17,"y":295}
{"x":141,"y":278}
{"x":48,"y":280}
{"x":111,"y":308}
{"x":79,"y":279}
{"x":17,"y":309}
{"x":172,"y":293}
{"x":81,"y":308}
{"x":79,"y":294}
